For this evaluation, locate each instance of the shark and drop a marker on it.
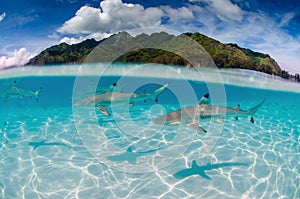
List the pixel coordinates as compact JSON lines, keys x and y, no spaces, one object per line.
{"x":192,"y":115}
{"x":130,"y":156}
{"x":19,"y":92}
{"x":35,"y":145}
{"x":200,"y":170}
{"x":104,"y":100}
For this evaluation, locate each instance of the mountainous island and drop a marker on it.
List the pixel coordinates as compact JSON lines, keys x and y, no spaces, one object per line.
{"x":223,"y":55}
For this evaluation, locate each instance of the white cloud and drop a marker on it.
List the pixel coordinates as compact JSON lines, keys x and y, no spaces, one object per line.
{"x":16,"y":58}
{"x":255,"y":30}
{"x":74,"y":40}
{"x":112,"y":16}
{"x":54,"y":35}
{"x":220,"y":19}
{"x":2,"y":16}
{"x":262,"y":33}
{"x":287,"y":18}
{"x":182,"y":14}
{"x":224,"y":9}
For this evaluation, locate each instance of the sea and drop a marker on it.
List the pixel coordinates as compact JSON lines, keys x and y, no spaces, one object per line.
{"x":51,"y":147}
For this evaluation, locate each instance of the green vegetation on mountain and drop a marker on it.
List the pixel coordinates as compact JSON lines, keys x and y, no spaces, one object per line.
{"x":233,"y":56}
{"x":64,"y":53}
{"x":150,"y":55}
{"x":224,"y":55}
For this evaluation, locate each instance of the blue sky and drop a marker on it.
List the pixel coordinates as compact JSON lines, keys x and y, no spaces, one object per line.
{"x":270,"y":26}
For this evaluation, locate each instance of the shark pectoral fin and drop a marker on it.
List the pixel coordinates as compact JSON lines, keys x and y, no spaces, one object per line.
{"x":203,"y":174}
{"x":196,"y":126}
{"x":103,"y":109}
{"x":131,"y":160}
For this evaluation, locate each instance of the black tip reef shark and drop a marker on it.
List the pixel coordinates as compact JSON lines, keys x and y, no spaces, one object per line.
{"x":200,"y":170}
{"x":35,"y":145}
{"x":104,"y":100}
{"x":193,"y":114}
{"x":18,"y":92}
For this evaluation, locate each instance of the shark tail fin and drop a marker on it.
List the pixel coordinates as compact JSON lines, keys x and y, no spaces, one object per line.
{"x":37,"y":93}
{"x":253,"y":110}
{"x":158,"y":91}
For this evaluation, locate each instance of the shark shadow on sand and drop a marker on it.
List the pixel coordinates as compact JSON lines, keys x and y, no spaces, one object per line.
{"x":43,"y":143}
{"x":200,"y":170}
{"x":131,"y":156}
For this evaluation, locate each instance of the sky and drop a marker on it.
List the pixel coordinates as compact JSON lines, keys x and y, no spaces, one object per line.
{"x":270,"y":26}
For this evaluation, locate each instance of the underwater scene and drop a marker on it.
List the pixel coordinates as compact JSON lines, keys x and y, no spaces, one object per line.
{"x":147,"y":131}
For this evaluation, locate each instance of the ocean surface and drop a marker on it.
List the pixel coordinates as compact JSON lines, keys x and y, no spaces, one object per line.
{"x":50,"y":148}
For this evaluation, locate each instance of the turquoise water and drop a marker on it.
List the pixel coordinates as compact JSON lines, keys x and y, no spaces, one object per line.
{"x":52,"y":149}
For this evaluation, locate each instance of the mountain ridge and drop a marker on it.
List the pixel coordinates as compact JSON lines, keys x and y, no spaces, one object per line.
{"x":224,"y":55}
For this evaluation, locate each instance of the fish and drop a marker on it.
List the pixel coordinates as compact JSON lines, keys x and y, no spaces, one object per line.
{"x":35,"y":145}
{"x":19,"y":92}
{"x":104,"y":100}
{"x":200,"y":170}
{"x":192,"y":115}
{"x":130,"y":156}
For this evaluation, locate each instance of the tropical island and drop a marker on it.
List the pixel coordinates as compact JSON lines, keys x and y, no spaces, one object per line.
{"x":224,"y":55}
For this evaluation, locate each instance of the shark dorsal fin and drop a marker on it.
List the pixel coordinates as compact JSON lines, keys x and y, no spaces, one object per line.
{"x":194,"y":164}
{"x":204,"y":99}
{"x":237,"y":107}
{"x":129,"y":149}
{"x":112,"y":87}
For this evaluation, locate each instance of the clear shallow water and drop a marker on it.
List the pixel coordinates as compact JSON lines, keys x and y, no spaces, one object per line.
{"x":75,"y":159}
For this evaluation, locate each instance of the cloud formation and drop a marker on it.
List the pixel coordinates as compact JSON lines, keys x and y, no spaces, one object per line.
{"x":17,"y":58}
{"x":112,"y":16}
{"x":224,"y":9}
{"x":75,"y":40}
{"x":2,"y":16}
{"x":220,"y":19}
{"x":257,"y":31}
